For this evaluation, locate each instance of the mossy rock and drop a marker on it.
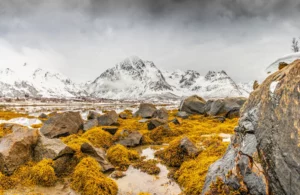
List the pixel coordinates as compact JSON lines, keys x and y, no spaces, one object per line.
{"x":89,"y":180}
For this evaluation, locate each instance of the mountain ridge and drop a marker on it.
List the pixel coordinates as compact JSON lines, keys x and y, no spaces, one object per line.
{"x":132,"y":78}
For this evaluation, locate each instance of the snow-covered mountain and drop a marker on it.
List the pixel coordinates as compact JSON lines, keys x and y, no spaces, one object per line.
{"x":27,"y":81}
{"x":132,"y":78}
{"x":135,"y":78}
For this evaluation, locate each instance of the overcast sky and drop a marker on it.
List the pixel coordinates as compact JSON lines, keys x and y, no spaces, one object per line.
{"x":82,"y":38}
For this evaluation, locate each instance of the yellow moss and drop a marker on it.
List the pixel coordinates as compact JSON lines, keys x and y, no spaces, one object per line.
{"x":7,"y":115}
{"x":121,"y":157}
{"x":219,"y":187}
{"x":74,"y":141}
{"x":41,"y":174}
{"x":173,"y":155}
{"x":148,"y":166}
{"x":192,"y":173}
{"x":89,"y":180}
{"x":4,"y":131}
{"x":6,"y":182}
{"x":37,"y":126}
{"x":98,"y":137}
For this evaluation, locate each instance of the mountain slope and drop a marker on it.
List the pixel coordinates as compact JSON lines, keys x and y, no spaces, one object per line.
{"x":36,"y":83}
{"x":134,"y":78}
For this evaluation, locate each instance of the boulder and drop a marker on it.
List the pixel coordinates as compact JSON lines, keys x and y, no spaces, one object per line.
{"x":193,"y":105}
{"x":93,"y":115}
{"x":43,"y":116}
{"x":99,"y":155}
{"x":123,"y":115}
{"x":62,"y":124}
{"x":17,"y":148}
{"x":90,"y":124}
{"x":153,"y":123}
{"x":183,"y":115}
{"x":50,"y":148}
{"x":161,"y":114}
{"x":228,"y":107}
{"x":264,"y":156}
{"x":145,"y":111}
{"x":176,"y":121}
{"x":188,"y":147}
{"x":130,"y":139}
{"x":111,"y":130}
{"x":108,"y":119}
{"x":118,"y":174}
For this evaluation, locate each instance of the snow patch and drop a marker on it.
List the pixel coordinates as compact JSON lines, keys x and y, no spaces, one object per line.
{"x":273,"y":86}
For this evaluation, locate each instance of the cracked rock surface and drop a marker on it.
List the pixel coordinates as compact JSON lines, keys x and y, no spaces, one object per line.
{"x":264,"y":156}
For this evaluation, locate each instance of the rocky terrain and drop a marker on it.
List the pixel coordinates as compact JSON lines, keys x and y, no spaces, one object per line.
{"x":63,"y":149}
{"x":264,"y":155}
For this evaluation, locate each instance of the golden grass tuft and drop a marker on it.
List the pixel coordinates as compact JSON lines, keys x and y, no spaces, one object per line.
{"x":98,"y":137}
{"x":191,"y":174}
{"x":37,"y":126}
{"x":121,"y":157}
{"x":6,"y":182}
{"x":7,"y":115}
{"x":89,"y":180}
{"x":4,"y":131}
{"x":41,"y":174}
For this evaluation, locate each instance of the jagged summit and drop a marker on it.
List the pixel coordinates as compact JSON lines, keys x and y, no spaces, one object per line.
{"x":132,"y":78}
{"x":137,"y":78}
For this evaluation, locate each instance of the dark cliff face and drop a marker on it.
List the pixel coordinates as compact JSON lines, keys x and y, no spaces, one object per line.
{"x":264,"y":156}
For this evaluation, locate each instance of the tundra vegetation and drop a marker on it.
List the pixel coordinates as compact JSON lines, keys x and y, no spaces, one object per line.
{"x":85,"y":174}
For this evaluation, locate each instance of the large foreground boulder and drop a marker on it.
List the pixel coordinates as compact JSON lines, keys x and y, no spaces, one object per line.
{"x":62,"y":124}
{"x":193,"y":105}
{"x":17,"y":149}
{"x":108,"y":119}
{"x":264,"y":156}
{"x":145,"y":111}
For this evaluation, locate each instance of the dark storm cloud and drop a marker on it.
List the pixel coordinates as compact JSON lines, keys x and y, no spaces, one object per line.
{"x":182,"y":34}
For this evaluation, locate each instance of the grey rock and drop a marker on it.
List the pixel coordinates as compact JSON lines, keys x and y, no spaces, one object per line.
{"x":111,"y":130}
{"x":43,"y":116}
{"x":108,"y":119}
{"x":50,"y":149}
{"x":93,"y":115}
{"x":183,"y":115}
{"x":99,"y":155}
{"x":193,"y":105}
{"x":265,"y":151}
{"x":188,"y":147}
{"x":130,"y":139}
{"x":17,"y":149}
{"x":161,"y":114}
{"x":62,"y":124}
{"x":154,"y":123}
{"x":90,"y":124}
{"x":145,"y":111}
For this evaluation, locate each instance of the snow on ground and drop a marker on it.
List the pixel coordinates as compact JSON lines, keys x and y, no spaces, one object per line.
{"x":23,"y":121}
{"x":273,"y":86}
